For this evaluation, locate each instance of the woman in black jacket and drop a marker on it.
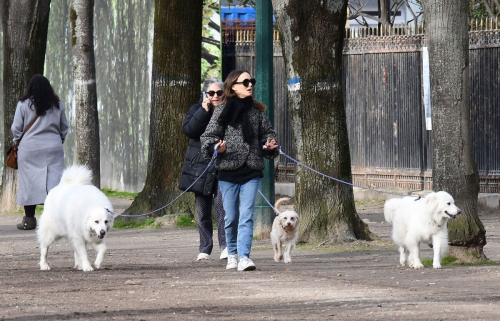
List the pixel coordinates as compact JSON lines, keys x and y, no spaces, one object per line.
{"x":206,"y":188}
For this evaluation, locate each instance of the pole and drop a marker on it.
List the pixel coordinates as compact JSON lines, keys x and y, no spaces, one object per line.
{"x":264,"y":92}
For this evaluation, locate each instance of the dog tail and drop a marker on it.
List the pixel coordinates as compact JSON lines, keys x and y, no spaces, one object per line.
{"x":278,"y":203}
{"x":77,"y":175}
{"x":389,"y":209}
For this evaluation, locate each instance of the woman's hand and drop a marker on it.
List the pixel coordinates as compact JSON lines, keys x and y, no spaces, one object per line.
{"x":220,"y":147}
{"x":270,"y":144}
{"x":206,"y":104}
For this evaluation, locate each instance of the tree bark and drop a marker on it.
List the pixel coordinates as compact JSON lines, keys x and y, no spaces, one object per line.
{"x":25,"y":24}
{"x":175,"y":87}
{"x":384,"y":12}
{"x":85,"y":88}
{"x":312,"y":35}
{"x":454,"y":169}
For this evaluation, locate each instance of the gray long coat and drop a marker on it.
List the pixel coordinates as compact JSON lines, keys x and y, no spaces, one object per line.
{"x":40,"y":156}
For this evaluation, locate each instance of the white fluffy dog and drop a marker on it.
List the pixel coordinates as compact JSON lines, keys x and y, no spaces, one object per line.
{"x":75,"y":209}
{"x":285,"y":230}
{"x":421,"y":221}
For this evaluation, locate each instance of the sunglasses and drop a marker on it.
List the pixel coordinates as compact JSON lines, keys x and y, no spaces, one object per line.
{"x":247,"y":82}
{"x":211,"y":93}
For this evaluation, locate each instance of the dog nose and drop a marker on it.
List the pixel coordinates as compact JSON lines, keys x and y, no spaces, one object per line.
{"x":459,"y":211}
{"x":103,"y":232}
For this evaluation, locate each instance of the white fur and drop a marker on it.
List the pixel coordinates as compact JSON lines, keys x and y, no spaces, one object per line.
{"x":76,"y":210}
{"x":285,"y":230}
{"x":421,"y":221}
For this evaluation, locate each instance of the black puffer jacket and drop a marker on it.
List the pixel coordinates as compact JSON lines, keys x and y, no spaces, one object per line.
{"x":194,"y":125}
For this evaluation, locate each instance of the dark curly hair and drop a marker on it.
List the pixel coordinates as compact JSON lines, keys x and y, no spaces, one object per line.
{"x":41,"y":95}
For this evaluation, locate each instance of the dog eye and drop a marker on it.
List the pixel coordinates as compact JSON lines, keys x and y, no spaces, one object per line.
{"x":286,"y":218}
{"x":449,"y":203}
{"x":97,"y":221}
{"x":106,"y":222}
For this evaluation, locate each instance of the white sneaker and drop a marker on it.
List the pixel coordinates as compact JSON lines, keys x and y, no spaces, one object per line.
{"x":203,"y":256}
{"x":223,"y":254}
{"x":246,"y":264}
{"x":232,"y":261}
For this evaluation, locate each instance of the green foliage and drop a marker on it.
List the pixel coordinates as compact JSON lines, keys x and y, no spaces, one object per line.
{"x":185,"y":221}
{"x":209,"y":31}
{"x":150,"y":222}
{"x":477,"y":10}
{"x":110,"y":193}
{"x":452,"y":261}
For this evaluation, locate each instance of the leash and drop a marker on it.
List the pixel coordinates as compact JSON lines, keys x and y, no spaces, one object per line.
{"x":344,"y":182}
{"x":269,"y":203}
{"x":214,"y":156}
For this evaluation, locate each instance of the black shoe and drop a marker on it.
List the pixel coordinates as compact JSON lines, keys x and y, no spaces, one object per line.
{"x":28,"y":223}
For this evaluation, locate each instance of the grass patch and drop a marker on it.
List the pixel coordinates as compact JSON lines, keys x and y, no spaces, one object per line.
{"x":185,"y":221}
{"x":38,"y":210}
{"x":452,"y":261}
{"x":110,"y":193}
{"x":150,"y":222}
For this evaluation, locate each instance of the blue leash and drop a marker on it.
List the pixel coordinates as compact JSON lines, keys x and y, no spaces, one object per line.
{"x":344,"y":182}
{"x":175,"y":199}
{"x":262,"y":195}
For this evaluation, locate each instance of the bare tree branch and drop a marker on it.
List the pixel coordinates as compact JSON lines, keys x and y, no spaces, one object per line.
{"x":210,"y":58}
{"x":214,"y":26}
{"x":210,"y":41}
{"x":359,"y":7}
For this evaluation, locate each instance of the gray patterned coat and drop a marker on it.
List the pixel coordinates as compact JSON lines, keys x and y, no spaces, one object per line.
{"x":237,"y":151}
{"x":40,"y":156}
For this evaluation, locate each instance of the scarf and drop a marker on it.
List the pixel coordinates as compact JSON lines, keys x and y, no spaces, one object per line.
{"x":236,"y":112}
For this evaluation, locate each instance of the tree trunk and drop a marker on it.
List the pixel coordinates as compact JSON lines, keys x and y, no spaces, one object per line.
{"x":384,"y":13}
{"x":25,"y":24}
{"x":175,"y":87}
{"x":454,"y":169}
{"x":87,"y":121}
{"x":312,"y":34}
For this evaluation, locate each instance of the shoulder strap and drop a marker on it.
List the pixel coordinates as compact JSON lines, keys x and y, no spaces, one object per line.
{"x":27,"y":128}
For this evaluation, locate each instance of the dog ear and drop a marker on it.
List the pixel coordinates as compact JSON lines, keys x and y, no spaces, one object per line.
{"x":431,"y":199}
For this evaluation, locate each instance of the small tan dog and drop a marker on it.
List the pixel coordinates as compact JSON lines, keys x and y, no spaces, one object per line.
{"x":285,"y":230}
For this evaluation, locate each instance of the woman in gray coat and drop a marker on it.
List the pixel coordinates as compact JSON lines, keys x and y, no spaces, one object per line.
{"x":40,"y":153}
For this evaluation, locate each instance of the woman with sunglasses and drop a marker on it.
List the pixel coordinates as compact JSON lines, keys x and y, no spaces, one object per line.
{"x":206,"y":189}
{"x":243,"y":136}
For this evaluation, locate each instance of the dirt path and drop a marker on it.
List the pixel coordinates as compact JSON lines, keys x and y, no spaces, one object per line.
{"x":150,"y":274}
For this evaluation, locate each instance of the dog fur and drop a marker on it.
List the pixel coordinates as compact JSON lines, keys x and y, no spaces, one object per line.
{"x":421,"y":221}
{"x":76,"y":210}
{"x":285,"y":230}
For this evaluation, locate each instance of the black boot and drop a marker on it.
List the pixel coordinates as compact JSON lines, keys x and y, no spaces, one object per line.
{"x":28,"y":223}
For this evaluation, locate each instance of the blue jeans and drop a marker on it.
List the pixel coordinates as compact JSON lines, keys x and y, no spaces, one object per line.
{"x":239,"y":205}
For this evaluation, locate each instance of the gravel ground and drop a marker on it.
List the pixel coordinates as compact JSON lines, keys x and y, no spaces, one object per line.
{"x":151,"y":274}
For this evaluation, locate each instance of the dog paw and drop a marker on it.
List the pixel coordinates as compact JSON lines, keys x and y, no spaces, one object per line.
{"x":44,"y":267}
{"x":278,"y":258}
{"x":87,"y":268}
{"x":287,"y":261}
{"x":436,"y":265}
{"x":97,"y":266}
{"x":417,"y":266}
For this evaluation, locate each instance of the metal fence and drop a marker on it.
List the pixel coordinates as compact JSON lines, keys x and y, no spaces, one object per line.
{"x":390,"y":146}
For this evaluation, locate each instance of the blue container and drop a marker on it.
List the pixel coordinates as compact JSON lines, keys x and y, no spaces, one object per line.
{"x":243,"y":15}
